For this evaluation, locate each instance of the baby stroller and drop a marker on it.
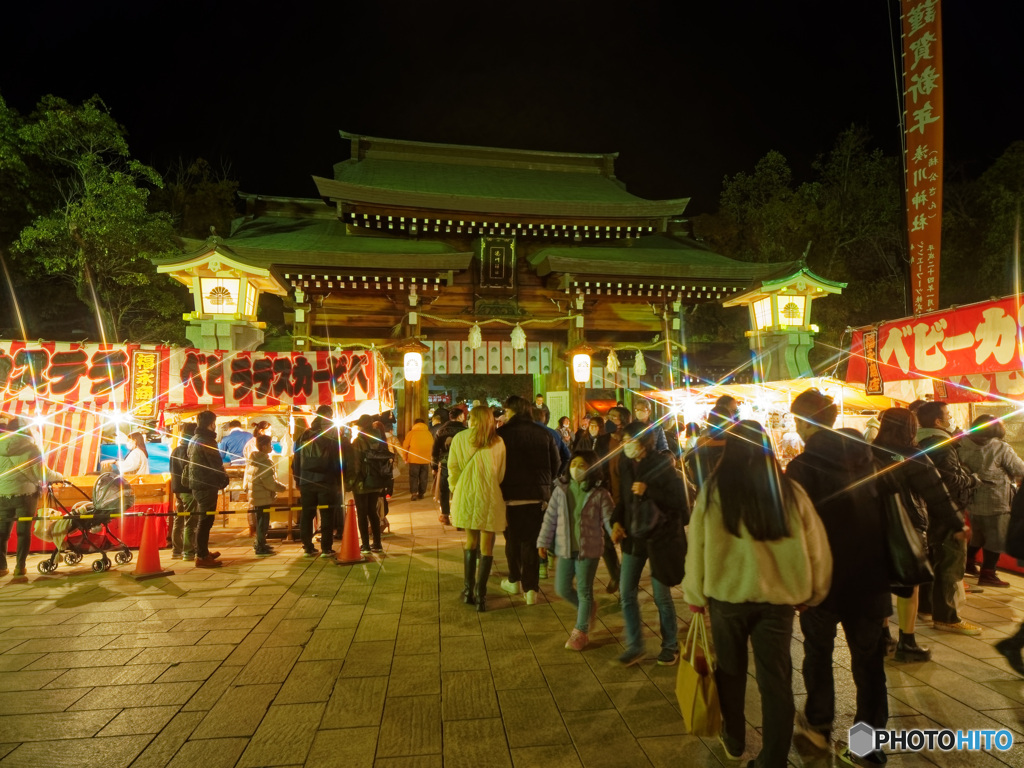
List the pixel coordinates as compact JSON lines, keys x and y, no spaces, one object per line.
{"x":85,"y":528}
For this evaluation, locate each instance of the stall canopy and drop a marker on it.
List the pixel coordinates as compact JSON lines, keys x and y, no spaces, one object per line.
{"x":970,"y":353}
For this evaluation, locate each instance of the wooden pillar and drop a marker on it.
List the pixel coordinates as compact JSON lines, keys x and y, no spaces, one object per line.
{"x":577,"y":392}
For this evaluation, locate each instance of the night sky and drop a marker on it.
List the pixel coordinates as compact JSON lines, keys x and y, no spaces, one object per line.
{"x":686,"y":92}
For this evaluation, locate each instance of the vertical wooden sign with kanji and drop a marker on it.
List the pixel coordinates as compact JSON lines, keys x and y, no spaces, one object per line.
{"x":923,"y":120}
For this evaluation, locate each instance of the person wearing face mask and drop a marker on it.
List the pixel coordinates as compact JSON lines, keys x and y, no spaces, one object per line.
{"x":579,"y":509}
{"x":593,"y":438}
{"x":648,"y":476}
{"x":598,"y":441}
{"x":642,"y":415}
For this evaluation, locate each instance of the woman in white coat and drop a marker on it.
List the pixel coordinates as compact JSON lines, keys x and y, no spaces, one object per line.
{"x":136,"y":463}
{"x":476,"y":467}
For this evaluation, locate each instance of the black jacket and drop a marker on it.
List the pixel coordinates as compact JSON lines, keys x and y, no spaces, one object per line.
{"x":531,"y":460}
{"x":920,"y":487}
{"x":205,"y":471}
{"x":599,"y":444}
{"x":327,"y":440}
{"x":178,"y":462}
{"x":836,"y":469}
{"x":442,"y":440}
{"x":941,"y":449}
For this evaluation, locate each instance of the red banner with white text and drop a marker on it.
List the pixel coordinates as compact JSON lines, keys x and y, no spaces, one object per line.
{"x":923,"y":117}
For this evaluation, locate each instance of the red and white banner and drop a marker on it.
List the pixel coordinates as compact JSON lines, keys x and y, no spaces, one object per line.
{"x":262,"y":379}
{"x":974,"y":340}
{"x":923,"y":115}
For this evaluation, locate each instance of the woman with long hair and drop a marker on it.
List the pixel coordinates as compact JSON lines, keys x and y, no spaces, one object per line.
{"x":757,"y":551}
{"x":137,"y":461}
{"x":905,"y":471}
{"x":476,"y":467}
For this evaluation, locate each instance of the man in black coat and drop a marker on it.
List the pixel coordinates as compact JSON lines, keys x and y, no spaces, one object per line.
{"x":439,"y":457}
{"x":531,"y":466}
{"x":205,"y":476}
{"x":183,"y":528}
{"x":316,"y":466}
{"x":836,"y":469}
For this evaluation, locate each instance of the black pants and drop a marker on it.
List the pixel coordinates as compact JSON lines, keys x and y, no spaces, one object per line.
{"x":939,"y":597}
{"x":323,"y":498}
{"x":865,"y":637}
{"x":367,"y":517}
{"x":445,"y":491}
{"x":610,"y":556}
{"x":16,"y":509}
{"x":523,"y":527}
{"x":205,"y":508}
{"x":183,"y":533}
{"x":419,"y":476}
{"x":770,"y":630}
{"x":262,"y":526}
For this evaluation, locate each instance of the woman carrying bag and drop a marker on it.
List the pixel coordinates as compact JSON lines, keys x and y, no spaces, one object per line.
{"x":757,"y":550}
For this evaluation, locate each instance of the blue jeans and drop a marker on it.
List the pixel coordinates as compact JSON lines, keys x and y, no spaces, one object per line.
{"x":583,"y":595}
{"x":629,"y":580}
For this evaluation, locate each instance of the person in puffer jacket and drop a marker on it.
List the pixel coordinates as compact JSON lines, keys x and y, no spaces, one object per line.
{"x":579,"y":510}
{"x":21,"y":472}
{"x":263,"y":486}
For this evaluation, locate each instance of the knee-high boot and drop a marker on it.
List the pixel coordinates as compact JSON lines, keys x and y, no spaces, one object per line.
{"x":469,"y":569}
{"x":481,"y":582}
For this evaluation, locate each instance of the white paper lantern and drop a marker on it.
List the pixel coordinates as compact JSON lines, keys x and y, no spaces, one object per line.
{"x":413,"y":366}
{"x":581,"y":368}
{"x":476,"y":338}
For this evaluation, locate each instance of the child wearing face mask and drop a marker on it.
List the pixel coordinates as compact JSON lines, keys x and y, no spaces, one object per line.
{"x":579,"y":511}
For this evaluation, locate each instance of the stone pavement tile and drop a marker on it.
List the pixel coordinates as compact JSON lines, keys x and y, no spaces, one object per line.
{"x":463,"y":652}
{"x":564,"y":756}
{"x":351,"y":747}
{"x":188,"y":670}
{"x":377,"y":627}
{"x":421,"y":588}
{"x":384,"y":602}
{"x":474,"y":743}
{"x":603,"y":659}
{"x":163,"y":639}
{"x":269,"y":665}
{"x":328,"y":644}
{"x":411,"y":725}
{"x":238,"y":712}
{"x":27,"y":681}
{"x":166,"y":614}
{"x":468,"y":695}
{"x":61,"y":630}
{"x":505,"y":636}
{"x":105,"y":617}
{"x":220,"y":636}
{"x":458,"y":619}
{"x":420,"y":613}
{"x":1010,"y":690}
{"x":1011,"y":718}
{"x":242,"y":654}
{"x":75,"y":659}
{"x":673,"y":751}
{"x":217,"y":624}
{"x":142,"y":695}
{"x":113,"y":752}
{"x":45,"y":644}
{"x":645,"y":709}
{"x":309,"y":608}
{"x":42,"y":620}
{"x":415,"y":675}
{"x":180,"y":653}
{"x":208,"y":753}
{"x":212,"y":689}
{"x":162,"y":748}
{"x":139,"y":720}
{"x":410,"y":761}
{"x":417,"y":638}
{"x":272,"y":590}
{"x":66,"y":725}
{"x":515,"y":669}
{"x":249,"y":610}
{"x":309,"y":681}
{"x":942,"y":708}
{"x":531,"y":718}
{"x":341,"y":617}
{"x":593,"y":731}
{"x":129,"y":627}
{"x":961,"y":688}
{"x":27,"y":702}
{"x":356,"y":702}
{"x":575,"y":687}
{"x":7,"y":644}
{"x":368,"y":659}
{"x":281,"y":637}
{"x":6,"y":749}
{"x":284,"y":736}
{"x":353,"y":594}
{"x":549,"y":648}
{"x":271,"y":619}
{"x":87,"y":678}
{"x":895,"y":676}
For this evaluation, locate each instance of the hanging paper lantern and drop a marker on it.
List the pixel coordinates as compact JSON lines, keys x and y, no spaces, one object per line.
{"x":518,"y":337}
{"x":581,"y":368}
{"x":476,"y":338}
{"x":413,"y":366}
{"x":613,"y":362}
{"x":640,"y":366}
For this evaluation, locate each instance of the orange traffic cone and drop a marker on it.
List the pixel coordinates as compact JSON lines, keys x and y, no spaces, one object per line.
{"x":147,"y":566}
{"x":350,"y":553}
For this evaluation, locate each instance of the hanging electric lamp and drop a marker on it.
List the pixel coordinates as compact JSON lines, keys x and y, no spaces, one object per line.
{"x":476,"y":338}
{"x":518,"y":337}
{"x":612,"y":363}
{"x":580,"y":356}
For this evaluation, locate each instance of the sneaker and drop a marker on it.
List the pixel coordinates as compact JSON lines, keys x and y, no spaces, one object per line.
{"x":577,"y":640}
{"x":176,"y":555}
{"x":668,"y":657}
{"x":207,"y":562}
{"x":531,"y":597}
{"x":804,"y":734}
{"x":961,"y":627}
{"x":309,"y":553}
{"x":264,"y":552}
{"x":1012,"y":653}
{"x":364,"y":550}
{"x":613,"y":587}
{"x":327,"y":553}
{"x":629,"y":658}
{"x":729,"y":754}
{"x":989,"y":579}
{"x":542,"y":570}
{"x":512,"y":587}
{"x":377,"y":549}
{"x":214,"y":555}
{"x":188,"y":558}
{"x":19,"y":571}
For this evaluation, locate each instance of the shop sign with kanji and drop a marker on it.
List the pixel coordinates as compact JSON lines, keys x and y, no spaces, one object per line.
{"x":65,"y":372}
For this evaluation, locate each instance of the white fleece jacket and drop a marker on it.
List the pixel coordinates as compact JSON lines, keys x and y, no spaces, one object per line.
{"x":792,"y":571}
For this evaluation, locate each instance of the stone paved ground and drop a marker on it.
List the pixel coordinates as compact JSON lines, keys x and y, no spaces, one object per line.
{"x":285,"y":661}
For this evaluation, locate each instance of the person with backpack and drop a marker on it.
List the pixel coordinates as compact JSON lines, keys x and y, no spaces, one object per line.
{"x":183,"y":528}
{"x":439,"y":456}
{"x":316,"y":467}
{"x":205,"y":477}
{"x":369,"y":473}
